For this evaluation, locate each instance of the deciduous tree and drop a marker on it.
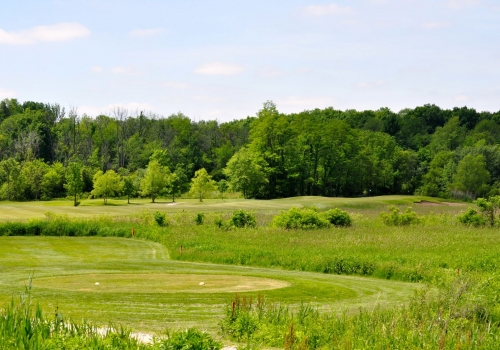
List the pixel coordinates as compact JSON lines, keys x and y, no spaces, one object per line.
{"x":202,"y":183}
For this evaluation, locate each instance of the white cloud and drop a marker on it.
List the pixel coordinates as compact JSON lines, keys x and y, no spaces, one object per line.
{"x":219,"y":68}
{"x":4,"y":93}
{"x":435,"y":25}
{"x":97,"y":69}
{"x":325,"y":10}
{"x":50,"y":33}
{"x":94,"y":111}
{"x":458,"y":4}
{"x":145,"y":33}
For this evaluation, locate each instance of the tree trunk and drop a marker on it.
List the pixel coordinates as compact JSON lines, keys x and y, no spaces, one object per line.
{"x":128,"y":199}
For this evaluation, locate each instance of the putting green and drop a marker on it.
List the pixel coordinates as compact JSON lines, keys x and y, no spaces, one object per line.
{"x":159,"y":283}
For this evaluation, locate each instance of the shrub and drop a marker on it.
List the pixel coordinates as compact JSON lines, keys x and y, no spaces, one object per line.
{"x":199,"y":218}
{"x":160,"y":218}
{"x":219,"y":222}
{"x":190,"y":339}
{"x":337,"y":217}
{"x":395,"y":218}
{"x":300,"y":218}
{"x":242,"y":218}
{"x":472,"y":218}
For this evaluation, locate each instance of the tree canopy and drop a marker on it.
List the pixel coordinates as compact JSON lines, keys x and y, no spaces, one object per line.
{"x":324,"y":152}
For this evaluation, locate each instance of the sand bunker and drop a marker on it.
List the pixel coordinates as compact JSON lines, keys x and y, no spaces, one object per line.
{"x":439,"y":204}
{"x":158,"y":283}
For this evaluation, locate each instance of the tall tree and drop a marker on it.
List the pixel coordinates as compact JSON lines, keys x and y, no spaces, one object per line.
{"x":10,"y":169}
{"x":128,"y":185}
{"x":246,"y":171}
{"x":155,"y":180}
{"x":74,"y":180}
{"x":34,"y":173}
{"x":471,"y":176}
{"x":106,"y":184}
{"x":202,"y":183}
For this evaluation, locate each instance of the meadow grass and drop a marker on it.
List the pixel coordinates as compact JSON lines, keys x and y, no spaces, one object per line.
{"x":436,"y":251}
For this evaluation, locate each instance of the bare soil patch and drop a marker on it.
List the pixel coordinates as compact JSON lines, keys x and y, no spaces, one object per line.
{"x":439,"y":204}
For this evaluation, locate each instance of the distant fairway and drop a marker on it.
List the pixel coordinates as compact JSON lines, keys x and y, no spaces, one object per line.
{"x":89,"y":208}
{"x":140,"y":287}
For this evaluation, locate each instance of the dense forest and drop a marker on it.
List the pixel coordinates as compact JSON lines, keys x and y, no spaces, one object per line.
{"x":46,"y":153}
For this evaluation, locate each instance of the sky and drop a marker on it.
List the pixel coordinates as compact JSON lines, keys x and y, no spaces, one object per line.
{"x":221,"y":60}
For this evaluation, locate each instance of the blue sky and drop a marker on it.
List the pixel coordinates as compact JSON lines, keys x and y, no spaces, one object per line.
{"x":223,"y":59}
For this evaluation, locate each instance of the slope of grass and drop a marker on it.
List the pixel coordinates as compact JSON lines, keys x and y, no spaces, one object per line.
{"x":89,"y":208}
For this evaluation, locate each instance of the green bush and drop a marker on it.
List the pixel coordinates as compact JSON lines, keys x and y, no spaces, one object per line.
{"x":337,"y":217}
{"x":190,"y":339}
{"x":472,"y":218}
{"x":198,"y":219}
{"x":395,"y":218}
{"x":242,"y":218}
{"x":160,"y":218}
{"x":300,"y":218}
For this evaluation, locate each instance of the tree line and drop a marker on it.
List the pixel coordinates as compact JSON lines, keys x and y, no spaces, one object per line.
{"x":46,"y":153}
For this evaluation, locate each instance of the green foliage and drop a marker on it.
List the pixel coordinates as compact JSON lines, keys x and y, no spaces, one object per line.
{"x":320,"y":152}
{"x":395,"y":218}
{"x":242,"y":218}
{"x":177,"y":183}
{"x":246,"y":171}
{"x":129,"y":186}
{"x":337,"y":217}
{"x":300,"y":218}
{"x":472,"y":176}
{"x":189,"y":339}
{"x":198,"y":219}
{"x":472,"y":217}
{"x":489,"y":212}
{"x":160,"y":218}
{"x":222,"y":186}
{"x":155,"y":180}
{"x":74,"y":180}
{"x":107,"y":184}
{"x":202,"y":183}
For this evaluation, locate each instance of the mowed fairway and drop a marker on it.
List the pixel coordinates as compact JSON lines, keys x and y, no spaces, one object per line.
{"x":370,"y":206}
{"x":141,"y":288}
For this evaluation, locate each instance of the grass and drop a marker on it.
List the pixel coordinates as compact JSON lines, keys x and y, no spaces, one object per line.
{"x":57,"y":262}
{"x":149,"y":282}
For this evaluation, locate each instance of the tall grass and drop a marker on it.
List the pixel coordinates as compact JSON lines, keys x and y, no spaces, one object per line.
{"x":432,"y":250}
{"x":24,"y":326}
{"x":457,"y":318}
